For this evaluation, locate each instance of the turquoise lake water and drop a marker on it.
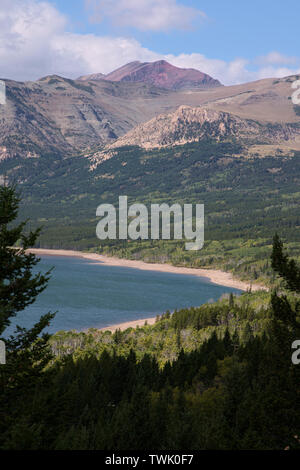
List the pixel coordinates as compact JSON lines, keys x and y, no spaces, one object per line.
{"x":87,"y":294}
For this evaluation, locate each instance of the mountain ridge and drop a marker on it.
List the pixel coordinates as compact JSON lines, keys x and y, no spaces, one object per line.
{"x":159,"y":73}
{"x":189,"y":125}
{"x":70,"y":117}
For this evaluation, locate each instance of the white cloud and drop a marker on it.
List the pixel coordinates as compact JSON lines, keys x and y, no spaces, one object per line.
{"x":275,"y":58}
{"x":145,"y":15}
{"x":27,"y":29}
{"x":227,"y":72}
{"x":276,"y":72}
{"x":89,"y":53}
{"x":34,"y":42}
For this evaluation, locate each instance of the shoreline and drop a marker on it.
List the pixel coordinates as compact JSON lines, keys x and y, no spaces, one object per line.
{"x":213,"y":276}
{"x":128,"y":324}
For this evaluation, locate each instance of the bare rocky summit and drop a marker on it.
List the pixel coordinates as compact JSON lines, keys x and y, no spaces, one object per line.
{"x":159,"y":74}
{"x":162,"y":74}
{"x":191,"y":124}
{"x":187,"y":124}
{"x":194,"y":124}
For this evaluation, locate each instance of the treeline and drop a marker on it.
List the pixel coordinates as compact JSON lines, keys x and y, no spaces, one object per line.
{"x":224,"y":395}
{"x":187,"y":329}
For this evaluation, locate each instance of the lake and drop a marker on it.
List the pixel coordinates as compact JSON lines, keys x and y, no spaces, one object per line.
{"x":87,"y":294}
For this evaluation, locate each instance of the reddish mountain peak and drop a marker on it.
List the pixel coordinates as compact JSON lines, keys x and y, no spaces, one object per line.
{"x":161,"y":74}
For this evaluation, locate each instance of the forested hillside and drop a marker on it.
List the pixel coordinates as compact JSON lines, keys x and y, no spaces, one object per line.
{"x":246,"y":199}
{"x":220,"y":376}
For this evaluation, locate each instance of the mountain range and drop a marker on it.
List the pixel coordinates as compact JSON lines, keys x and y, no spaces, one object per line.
{"x":68,"y":117}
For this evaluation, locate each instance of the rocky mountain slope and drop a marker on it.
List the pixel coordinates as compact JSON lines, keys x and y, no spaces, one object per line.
{"x":92,"y":76}
{"x":55,"y":115}
{"x":58,"y":115}
{"x":188,"y":124}
{"x":159,"y":73}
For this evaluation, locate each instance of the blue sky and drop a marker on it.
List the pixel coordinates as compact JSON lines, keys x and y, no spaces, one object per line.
{"x":231,"y":40}
{"x":232,"y":28}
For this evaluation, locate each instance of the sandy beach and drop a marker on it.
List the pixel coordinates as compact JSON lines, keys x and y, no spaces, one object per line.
{"x":212,"y":275}
{"x":215,"y":276}
{"x":129,"y":324}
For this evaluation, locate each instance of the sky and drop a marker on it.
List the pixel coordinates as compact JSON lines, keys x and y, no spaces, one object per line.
{"x":234,"y":41}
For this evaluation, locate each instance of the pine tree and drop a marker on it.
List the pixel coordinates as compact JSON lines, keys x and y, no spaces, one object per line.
{"x":276,"y":413}
{"x":28,"y":351}
{"x":289,"y":271}
{"x":18,"y":286}
{"x":231,"y":300}
{"x":178,"y":339}
{"x":284,"y":266}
